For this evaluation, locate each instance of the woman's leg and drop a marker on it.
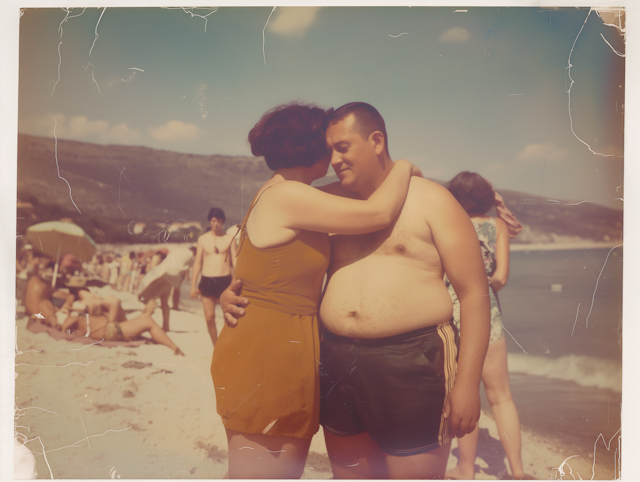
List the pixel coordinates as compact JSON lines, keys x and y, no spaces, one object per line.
{"x":495,"y":376}
{"x":209,"y":306}
{"x":142,"y":323}
{"x":257,"y":456}
{"x":467,"y":446}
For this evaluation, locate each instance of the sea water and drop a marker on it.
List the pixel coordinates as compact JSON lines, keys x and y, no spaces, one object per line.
{"x":565,"y":344}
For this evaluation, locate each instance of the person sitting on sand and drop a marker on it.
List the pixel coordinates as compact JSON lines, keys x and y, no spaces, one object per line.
{"x":476,"y":195}
{"x":215,"y":258}
{"x":37,"y":303}
{"x":49,"y":304}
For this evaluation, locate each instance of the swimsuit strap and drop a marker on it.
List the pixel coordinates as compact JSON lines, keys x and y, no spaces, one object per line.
{"x":243,"y":228}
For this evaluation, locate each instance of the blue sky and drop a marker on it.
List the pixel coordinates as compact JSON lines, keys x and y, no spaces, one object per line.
{"x":483,"y":89}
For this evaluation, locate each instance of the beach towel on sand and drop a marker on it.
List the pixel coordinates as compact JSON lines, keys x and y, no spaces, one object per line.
{"x":34,"y":326}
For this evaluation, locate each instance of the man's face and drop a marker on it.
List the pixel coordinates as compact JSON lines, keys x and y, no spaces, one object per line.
{"x":353,"y":158}
{"x":216,"y":224}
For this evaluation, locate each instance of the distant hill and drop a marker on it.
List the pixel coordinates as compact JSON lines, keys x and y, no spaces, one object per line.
{"x":115,"y":186}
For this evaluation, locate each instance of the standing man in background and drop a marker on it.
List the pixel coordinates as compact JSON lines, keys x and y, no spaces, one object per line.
{"x":215,"y":260}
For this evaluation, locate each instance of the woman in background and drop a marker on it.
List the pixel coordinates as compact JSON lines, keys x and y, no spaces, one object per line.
{"x":477,"y":197}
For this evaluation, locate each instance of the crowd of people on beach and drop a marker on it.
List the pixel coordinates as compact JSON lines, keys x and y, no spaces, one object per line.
{"x":368,"y":306}
{"x":68,"y":304}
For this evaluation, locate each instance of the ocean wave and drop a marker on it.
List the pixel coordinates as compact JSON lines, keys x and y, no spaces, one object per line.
{"x":586,"y":371}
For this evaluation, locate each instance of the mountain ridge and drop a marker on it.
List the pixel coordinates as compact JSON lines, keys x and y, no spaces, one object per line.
{"x":115,"y":185}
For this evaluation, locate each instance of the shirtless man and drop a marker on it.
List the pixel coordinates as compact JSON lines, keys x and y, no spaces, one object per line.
{"x":215,"y":259}
{"x":391,"y":400}
{"x":48,"y":304}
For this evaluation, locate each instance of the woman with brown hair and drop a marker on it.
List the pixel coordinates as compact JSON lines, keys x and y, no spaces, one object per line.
{"x":476,"y":195}
{"x":265,"y":369}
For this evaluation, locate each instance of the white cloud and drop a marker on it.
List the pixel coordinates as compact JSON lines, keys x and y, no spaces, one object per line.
{"x":73,"y":127}
{"x":175,"y":130}
{"x":455,"y":34}
{"x":121,"y":134}
{"x":79,"y":127}
{"x":293,"y":21}
{"x":541,"y":152}
{"x":39,"y":125}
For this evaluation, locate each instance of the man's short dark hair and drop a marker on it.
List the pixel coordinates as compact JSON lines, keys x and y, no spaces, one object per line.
{"x":366,"y":119}
{"x":216,"y":213}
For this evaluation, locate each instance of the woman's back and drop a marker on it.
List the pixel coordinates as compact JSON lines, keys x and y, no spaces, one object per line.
{"x":265,"y":368}
{"x":285,"y":278}
{"x":487,"y":235}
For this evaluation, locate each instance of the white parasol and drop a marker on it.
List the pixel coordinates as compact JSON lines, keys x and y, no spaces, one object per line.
{"x":56,"y":238}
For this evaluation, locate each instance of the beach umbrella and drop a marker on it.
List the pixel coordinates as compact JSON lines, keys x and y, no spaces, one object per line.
{"x":55,"y":238}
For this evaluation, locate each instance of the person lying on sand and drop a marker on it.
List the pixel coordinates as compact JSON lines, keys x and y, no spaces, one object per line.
{"x":100,"y":328}
{"x":38,"y":303}
{"x":95,"y":305}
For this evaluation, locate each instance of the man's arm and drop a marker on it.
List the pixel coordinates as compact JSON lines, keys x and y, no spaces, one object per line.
{"x":232,"y":303}
{"x":197,"y":266}
{"x":457,"y":243}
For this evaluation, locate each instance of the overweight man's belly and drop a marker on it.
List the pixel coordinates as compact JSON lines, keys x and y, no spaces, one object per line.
{"x":382,"y":296}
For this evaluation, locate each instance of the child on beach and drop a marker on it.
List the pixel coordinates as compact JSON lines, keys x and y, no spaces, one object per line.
{"x":477,"y":197}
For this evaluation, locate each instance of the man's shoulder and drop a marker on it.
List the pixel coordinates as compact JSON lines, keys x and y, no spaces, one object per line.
{"x":425,"y":188}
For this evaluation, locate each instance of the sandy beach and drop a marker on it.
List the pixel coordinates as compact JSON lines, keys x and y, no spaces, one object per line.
{"x":142,"y":412}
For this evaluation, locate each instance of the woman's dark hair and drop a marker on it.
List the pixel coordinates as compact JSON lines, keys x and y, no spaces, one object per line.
{"x":473,"y":192}
{"x":290,"y":135}
{"x":132,"y":255}
{"x":216,"y":213}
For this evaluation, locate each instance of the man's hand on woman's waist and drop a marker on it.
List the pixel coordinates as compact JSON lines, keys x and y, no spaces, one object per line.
{"x":232,"y":304}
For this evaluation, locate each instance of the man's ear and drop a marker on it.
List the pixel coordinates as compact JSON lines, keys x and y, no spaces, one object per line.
{"x":377,"y":138}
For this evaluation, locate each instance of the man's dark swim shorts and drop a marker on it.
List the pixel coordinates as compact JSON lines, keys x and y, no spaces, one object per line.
{"x":393,"y":387}
{"x":213,"y":286}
